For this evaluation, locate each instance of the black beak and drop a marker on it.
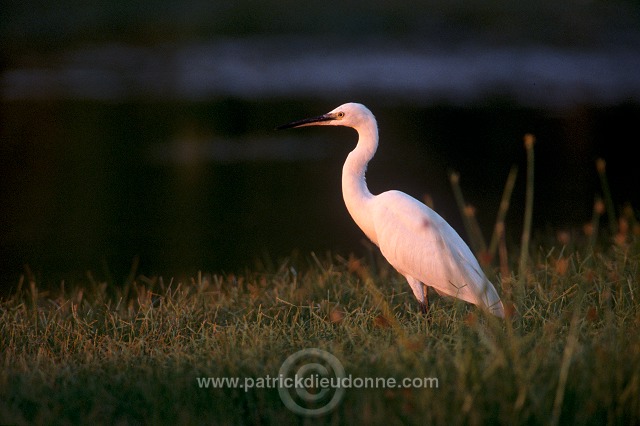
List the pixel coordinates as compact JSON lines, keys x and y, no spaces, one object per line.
{"x":306,"y":122}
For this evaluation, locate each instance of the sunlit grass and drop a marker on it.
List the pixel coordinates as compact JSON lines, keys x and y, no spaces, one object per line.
{"x":92,"y":351}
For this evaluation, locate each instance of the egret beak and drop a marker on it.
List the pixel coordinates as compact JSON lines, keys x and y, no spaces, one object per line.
{"x":313,"y":121}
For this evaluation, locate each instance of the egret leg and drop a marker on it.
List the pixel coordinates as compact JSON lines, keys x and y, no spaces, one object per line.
{"x":420,"y":292}
{"x":424,"y":304}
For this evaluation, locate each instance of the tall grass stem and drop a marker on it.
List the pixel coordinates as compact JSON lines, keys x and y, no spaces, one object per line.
{"x":498,"y":229}
{"x":529,"y":141}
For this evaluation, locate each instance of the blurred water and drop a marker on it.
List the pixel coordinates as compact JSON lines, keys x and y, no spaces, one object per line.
{"x":168,"y":152}
{"x":259,"y":68}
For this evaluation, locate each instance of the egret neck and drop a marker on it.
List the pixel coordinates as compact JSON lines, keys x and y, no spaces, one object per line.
{"x":354,"y":185}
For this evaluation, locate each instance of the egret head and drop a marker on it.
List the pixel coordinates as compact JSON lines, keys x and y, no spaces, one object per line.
{"x":349,"y":115}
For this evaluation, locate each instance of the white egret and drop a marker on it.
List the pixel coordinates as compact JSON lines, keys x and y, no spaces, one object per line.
{"x":413,"y":238}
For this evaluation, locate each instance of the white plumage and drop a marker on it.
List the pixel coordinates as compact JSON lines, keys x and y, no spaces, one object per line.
{"x":413,"y":238}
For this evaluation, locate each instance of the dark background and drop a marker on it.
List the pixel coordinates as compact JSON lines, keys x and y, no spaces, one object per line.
{"x":146,"y":131}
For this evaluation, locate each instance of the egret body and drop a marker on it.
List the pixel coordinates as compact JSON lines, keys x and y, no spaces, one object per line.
{"x":413,"y":238}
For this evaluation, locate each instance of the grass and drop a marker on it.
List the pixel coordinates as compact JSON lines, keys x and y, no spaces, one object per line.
{"x":96,"y":352}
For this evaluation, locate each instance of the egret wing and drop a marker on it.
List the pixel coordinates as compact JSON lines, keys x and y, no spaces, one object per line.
{"x":420,"y":243}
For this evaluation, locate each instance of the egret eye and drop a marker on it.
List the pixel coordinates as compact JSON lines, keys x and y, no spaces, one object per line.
{"x":340,"y":115}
